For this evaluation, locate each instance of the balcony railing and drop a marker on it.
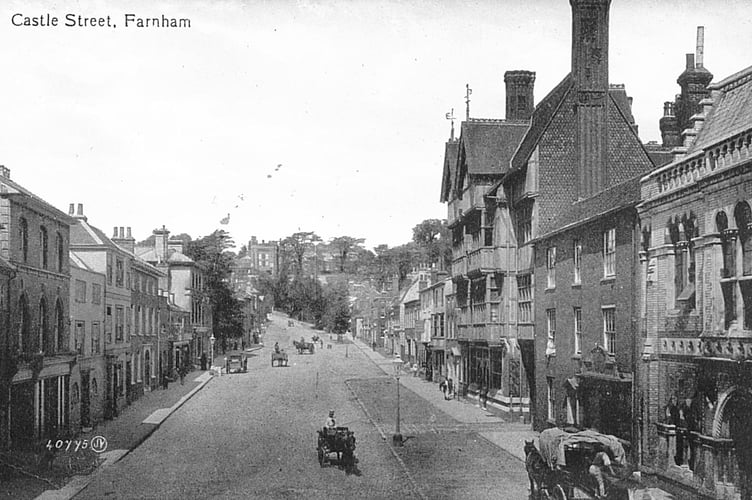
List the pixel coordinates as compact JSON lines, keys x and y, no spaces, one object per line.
{"x":694,"y":458}
{"x":480,"y":314}
{"x":459,"y":266}
{"x":481,"y":259}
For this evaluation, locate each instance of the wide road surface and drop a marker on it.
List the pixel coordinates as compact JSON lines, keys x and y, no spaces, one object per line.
{"x":253,"y":435}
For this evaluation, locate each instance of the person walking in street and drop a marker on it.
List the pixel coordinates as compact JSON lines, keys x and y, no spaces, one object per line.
{"x":450,"y":387}
{"x":443,"y":386}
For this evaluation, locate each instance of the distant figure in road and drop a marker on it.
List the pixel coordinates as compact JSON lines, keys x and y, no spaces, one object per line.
{"x":415,"y":369}
{"x":330,"y":423}
{"x":276,"y":347}
{"x":443,"y":386}
{"x":450,"y":387}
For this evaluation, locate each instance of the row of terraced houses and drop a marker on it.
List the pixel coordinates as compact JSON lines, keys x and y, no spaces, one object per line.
{"x":88,"y":322}
{"x":599,"y":282}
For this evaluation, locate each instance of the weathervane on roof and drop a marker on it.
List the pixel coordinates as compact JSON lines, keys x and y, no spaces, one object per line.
{"x":468,"y":92}
{"x":450,"y":116}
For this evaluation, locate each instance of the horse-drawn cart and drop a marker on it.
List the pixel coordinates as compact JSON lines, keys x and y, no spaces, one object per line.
{"x":565,"y":469}
{"x":339,"y":440}
{"x":303,"y":346}
{"x":280,"y":357}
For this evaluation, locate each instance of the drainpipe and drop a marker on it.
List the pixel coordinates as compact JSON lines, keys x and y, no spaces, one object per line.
{"x":7,"y":352}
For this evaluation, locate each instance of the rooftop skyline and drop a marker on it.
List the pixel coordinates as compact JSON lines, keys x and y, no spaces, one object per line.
{"x":302,"y":116}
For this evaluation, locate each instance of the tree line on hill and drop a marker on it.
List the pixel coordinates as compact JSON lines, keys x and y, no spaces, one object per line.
{"x":308,"y":290}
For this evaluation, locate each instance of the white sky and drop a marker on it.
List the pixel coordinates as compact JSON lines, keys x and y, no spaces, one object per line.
{"x":147,"y":127}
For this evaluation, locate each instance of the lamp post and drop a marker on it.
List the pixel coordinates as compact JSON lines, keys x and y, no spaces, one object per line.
{"x":211,"y":349}
{"x":397,"y":365}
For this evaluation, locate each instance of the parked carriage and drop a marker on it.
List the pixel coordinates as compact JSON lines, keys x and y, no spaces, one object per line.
{"x":303,"y":346}
{"x":561,"y":469}
{"x":280,"y":357}
{"x":339,"y":440}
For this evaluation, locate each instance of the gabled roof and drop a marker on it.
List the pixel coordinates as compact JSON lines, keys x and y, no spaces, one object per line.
{"x":609,"y":200}
{"x":488,"y":145}
{"x":622,"y":141}
{"x":542,"y":116}
{"x":10,"y":188}
{"x":450,"y":165}
{"x":731,"y":113}
{"x":84,"y":234}
{"x":149,"y":254}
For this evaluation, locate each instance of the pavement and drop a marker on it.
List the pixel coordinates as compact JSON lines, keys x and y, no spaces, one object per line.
{"x":134,"y":425}
{"x":511,"y":438}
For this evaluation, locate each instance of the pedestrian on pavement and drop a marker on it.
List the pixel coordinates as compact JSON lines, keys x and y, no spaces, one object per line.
{"x":443,"y":386}
{"x":165,"y":380}
{"x":450,"y":387}
{"x":415,"y":369}
{"x":181,"y":372}
{"x":484,"y":396}
{"x":203,"y":361}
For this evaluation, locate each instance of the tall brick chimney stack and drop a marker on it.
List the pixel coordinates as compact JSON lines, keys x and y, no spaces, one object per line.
{"x":124,"y":239}
{"x":160,"y":243}
{"x":590,"y":74}
{"x":694,"y":83}
{"x":519,"y":86}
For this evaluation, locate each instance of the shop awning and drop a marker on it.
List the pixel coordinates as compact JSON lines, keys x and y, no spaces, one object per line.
{"x":455,"y":351}
{"x":573,"y":383}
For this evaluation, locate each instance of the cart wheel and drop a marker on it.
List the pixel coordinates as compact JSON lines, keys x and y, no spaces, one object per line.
{"x":558,"y":493}
{"x":321,"y":457}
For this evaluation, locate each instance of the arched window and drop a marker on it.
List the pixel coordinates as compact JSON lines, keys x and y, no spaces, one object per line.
{"x":60,"y":252}
{"x":23,"y":238}
{"x":74,"y":393}
{"x":46,"y":340}
{"x":743,"y":217}
{"x":728,"y":246}
{"x":60,"y":336}
{"x":44,"y":247}
{"x":25,"y":339}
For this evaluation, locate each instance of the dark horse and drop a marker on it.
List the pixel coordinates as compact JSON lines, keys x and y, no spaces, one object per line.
{"x":341,"y":441}
{"x":536,"y":468}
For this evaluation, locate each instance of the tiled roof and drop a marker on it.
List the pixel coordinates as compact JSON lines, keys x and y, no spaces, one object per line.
{"x":488,"y":145}
{"x":624,"y":148}
{"x":450,"y":164}
{"x":731,"y":112}
{"x":149,"y":254}
{"x":542,"y":116}
{"x":11,"y":187}
{"x":84,"y":234}
{"x":179,"y":257}
{"x":611,"y":199}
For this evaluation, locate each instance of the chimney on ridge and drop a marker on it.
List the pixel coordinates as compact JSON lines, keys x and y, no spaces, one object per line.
{"x":160,"y":244}
{"x":519,"y":87}
{"x":123,"y":239}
